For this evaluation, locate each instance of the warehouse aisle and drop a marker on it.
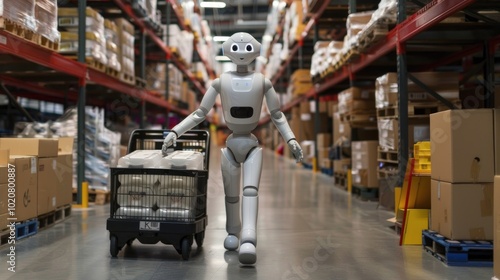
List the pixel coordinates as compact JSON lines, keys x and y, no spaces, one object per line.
{"x":308,"y":229}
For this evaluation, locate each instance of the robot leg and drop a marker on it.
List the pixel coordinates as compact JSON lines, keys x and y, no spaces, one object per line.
{"x":231,"y":175}
{"x":251,"y":177}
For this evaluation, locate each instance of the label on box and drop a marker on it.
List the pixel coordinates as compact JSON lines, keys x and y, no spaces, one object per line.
{"x":305,"y":117}
{"x":54,"y":164}
{"x":365,"y":94}
{"x":439,"y":190}
{"x":33,"y":165}
{"x":341,"y":128}
{"x":151,"y":226}
{"x":54,"y":201}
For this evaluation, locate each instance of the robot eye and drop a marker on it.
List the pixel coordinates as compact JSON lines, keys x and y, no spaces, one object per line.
{"x":249,"y":47}
{"x":234,"y":47}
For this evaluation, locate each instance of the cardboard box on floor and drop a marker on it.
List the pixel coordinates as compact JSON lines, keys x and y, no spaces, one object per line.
{"x":64,"y":172}
{"x":47,"y":185}
{"x":496,"y":229}
{"x":26,"y":186}
{"x":30,"y":146}
{"x":364,"y":164}
{"x":462,"y":145}
{"x":462,"y":211}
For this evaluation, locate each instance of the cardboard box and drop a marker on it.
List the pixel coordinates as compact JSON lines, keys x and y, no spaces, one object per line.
{"x":64,"y":174}
{"x":3,"y":221}
{"x":462,"y":211}
{"x":65,"y":146}
{"x":364,"y":163}
{"x":47,"y":185}
{"x":496,"y":225}
{"x":324,"y":140}
{"x":30,"y":146}
{"x":341,"y":165}
{"x":3,"y":198}
{"x":26,"y":186}
{"x":496,"y":131}
{"x":462,"y":146}
{"x":4,"y":161}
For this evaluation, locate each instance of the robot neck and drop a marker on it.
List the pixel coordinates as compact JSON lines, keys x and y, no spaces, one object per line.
{"x":242,"y":68}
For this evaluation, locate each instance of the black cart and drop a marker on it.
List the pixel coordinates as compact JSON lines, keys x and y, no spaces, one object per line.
{"x":160,"y":205}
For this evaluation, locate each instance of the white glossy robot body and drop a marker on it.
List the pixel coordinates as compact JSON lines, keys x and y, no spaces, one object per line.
{"x":242,"y":93}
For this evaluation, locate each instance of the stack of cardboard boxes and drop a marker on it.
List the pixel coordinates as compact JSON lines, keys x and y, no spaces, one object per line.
{"x":357,"y":106}
{"x":43,"y":174}
{"x":126,"y":50}
{"x":4,"y":161}
{"x":364,"y":164}
{"x":463,"y":168}
{"x":341,"y":137}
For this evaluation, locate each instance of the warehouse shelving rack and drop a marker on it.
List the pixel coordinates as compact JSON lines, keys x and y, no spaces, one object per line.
{"x":392,"y":54}
{"x":39,"y":73}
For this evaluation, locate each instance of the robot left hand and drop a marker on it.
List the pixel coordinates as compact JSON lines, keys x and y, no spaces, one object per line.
{"x":296,"y":150}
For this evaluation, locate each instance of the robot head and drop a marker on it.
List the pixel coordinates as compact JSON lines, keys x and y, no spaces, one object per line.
{"x":241,"y":48}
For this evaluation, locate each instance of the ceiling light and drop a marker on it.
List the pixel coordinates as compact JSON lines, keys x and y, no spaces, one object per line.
{"x":215,"y":5}
{"x":222,"y":58}
{"x":220,"y":38}
{"x":251,"y":22}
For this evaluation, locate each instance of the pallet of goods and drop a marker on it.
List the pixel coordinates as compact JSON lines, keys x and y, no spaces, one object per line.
{"x":126,"y":55}
{"x":18,"y":18}
{"x":95,"y":44}
{"x":47,"y":34}
{"x":112,"y":54}
{"x":357,"y":106}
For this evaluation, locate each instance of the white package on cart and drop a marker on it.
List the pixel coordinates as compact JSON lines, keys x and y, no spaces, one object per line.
{"x":141,"y":159}
{"x":135,"y":196}
{"x":145,"y":213}
{"x":183,"y":160}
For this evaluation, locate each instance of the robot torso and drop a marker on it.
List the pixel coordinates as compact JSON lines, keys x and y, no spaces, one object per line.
{"x":242,"y":96}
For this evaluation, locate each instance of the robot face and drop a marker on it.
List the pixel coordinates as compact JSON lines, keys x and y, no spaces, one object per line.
{"x":241,"y":48}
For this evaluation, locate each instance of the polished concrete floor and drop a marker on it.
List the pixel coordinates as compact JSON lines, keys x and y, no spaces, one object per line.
{"x":307,"y":229}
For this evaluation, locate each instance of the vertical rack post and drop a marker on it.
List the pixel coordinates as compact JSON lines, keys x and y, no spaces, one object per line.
{"x":82,"y":6}
{"x":316,"y":112}
{"x":142,"y":75}
{"x":489,"y":74}
{"x":402,"y":100}
{"x":167,"y":59}
{"x":352,"y":6}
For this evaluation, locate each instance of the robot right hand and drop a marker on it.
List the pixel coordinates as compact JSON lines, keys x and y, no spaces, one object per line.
{"x":170,"y":140}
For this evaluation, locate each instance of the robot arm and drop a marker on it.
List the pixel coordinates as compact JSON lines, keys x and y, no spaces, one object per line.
{"x":280,"y":121}
{"x":194,"y":118}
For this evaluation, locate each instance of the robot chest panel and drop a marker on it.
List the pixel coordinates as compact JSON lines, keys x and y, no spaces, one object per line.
{"x":242,"y":98}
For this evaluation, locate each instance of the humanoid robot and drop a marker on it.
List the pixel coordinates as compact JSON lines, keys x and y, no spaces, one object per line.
{"x":242,"y":92}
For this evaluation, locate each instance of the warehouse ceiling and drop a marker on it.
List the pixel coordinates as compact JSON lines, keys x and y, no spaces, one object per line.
{"x":238,"y":16}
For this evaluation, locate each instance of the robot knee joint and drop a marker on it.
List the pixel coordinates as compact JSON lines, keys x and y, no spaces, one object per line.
{"x":250,"y":191}
{"x":232,"y":199}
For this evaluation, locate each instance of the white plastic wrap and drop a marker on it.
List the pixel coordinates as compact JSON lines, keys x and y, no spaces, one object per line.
{"x":141,"y":159}
{"x":21,"y":12}
{"x":145,"y":213}
{"x":46,"y":19}
{"x":388,"y":133}
{"x":135,"y":196}
{"x":183,"y":160}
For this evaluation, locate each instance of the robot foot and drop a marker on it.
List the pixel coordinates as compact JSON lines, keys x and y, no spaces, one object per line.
{"x":231,"y":242}
{"x":247,"y":254}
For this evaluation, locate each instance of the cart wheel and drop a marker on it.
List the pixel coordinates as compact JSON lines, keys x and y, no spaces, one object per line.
{"x":199,"y":238}
{"x":186,"y":248}
{"x":113,"y":246}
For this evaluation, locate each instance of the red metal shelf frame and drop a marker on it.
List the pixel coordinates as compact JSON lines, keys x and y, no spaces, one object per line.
{"x":295,"y":48}
{"x":428,"y":16}
{"x":125,"y":7}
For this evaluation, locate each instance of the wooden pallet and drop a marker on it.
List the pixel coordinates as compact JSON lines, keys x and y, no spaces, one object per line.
{"x":53,"y":217}
{"x":47,"y":43}
{"x":113,"y":72}
{"x":359,"y":119}
{"x":458,"y":253}
{"x":127,"y":78}
{"x":386,"y":174}
{"x":17,"y":30}
{"x":415,"y":109}
{"x":389,"y":156}
{"x":372,"y":35}
{"x":91,"y":62}
{"x":140,"y":83}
